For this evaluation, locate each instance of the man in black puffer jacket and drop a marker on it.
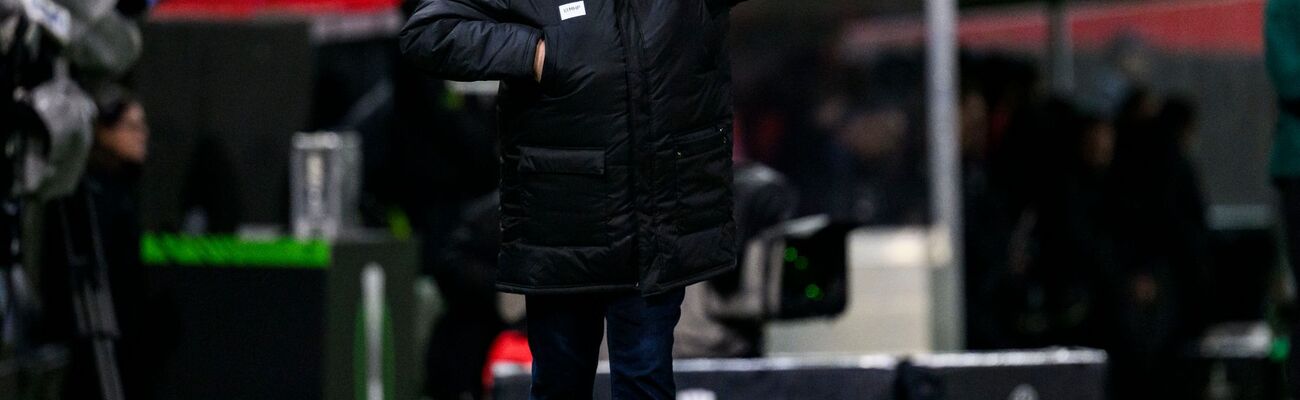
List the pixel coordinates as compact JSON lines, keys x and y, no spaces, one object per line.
{"x":615,"y":121}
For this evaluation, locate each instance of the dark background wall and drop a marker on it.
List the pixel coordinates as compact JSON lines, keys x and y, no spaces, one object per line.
{"x":223,"y":100}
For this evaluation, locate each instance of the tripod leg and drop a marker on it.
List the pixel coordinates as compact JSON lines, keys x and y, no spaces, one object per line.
{"x":93,"y":302}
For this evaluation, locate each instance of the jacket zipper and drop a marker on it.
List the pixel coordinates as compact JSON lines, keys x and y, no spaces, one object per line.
{"x":633,"y":48}
{"x":638,"y":132}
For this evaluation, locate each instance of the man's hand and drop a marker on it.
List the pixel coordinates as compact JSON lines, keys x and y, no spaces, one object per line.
{"x":539,"y":60}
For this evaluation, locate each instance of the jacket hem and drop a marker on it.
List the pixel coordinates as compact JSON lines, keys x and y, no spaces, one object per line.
{"x":707,"y":274}
{"x":564,"y":289}
{"x":710,"y":273}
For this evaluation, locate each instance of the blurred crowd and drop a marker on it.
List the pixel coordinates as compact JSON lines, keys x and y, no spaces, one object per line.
{"x":1084,"y":220}
{"x":1083,"y":226}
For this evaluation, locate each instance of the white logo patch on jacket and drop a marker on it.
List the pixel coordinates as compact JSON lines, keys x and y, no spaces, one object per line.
{"x":571,"y":10}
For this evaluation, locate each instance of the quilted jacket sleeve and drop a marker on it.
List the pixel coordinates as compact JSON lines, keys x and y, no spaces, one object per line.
{"x":466,"y":40}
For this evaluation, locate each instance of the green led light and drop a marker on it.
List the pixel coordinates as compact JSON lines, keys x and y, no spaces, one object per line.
{"x":163,"y":249}
{"x":791,"y":254}
{"x":1281,"y":349}
{"x":801,"y":263}
{"x":812,"y":291}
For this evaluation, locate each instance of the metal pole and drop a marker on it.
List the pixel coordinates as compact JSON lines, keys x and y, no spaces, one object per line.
{"x":945,"y":174}
{"x":372,"y":288}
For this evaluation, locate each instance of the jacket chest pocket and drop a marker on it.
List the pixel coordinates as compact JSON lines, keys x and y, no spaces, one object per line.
{"x":703,"y":180}
{"x":566,"y":196}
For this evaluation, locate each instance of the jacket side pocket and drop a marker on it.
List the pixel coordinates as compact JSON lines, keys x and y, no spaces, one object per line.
{"x":566,"y":196}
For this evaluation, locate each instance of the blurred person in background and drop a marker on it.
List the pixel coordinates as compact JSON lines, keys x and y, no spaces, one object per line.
{"x":121,"y":134}
{"x":100,"y":221}
{"x":1282,"y":57}
{"x":776,"y":112}
{"x":1017,"y":112}
{"x":873,"y":158}
{"x":1074,"y":234}
{"x":465,"y":273}
{"x":1057,"y":248}
{"x":1162,"y":244}
{"x":615,"y":190}
{"x":1126,"y":66}
{"x":1012,"y":93}
{"x":984,"y":209}
{"x":1002,"y":127}
{"x":875,"y":183}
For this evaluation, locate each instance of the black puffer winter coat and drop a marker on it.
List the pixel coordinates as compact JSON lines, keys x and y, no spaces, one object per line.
{"x":616,"y":167}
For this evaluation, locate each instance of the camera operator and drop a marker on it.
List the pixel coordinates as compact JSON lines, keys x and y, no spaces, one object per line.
{"x":49,"y":49}
{"x":103,"y":207}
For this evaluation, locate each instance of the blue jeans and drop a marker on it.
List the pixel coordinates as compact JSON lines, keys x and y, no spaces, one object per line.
{"x":564,"y":333}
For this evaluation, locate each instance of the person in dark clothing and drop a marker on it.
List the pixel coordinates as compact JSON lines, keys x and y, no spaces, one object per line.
{"x":1047,"y":290}
{"x":1003,"y":124}
{"x":875,"y":179}
{"x":465,"y":274}
{"x":92,"y":241}
{"x":1161,"y":248}
{"x":615,"y":130}
{"x":1006,"y":282}
{"x":1075,"y":235}
{"x":869,"y":168}
{"x":984,"y":218}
